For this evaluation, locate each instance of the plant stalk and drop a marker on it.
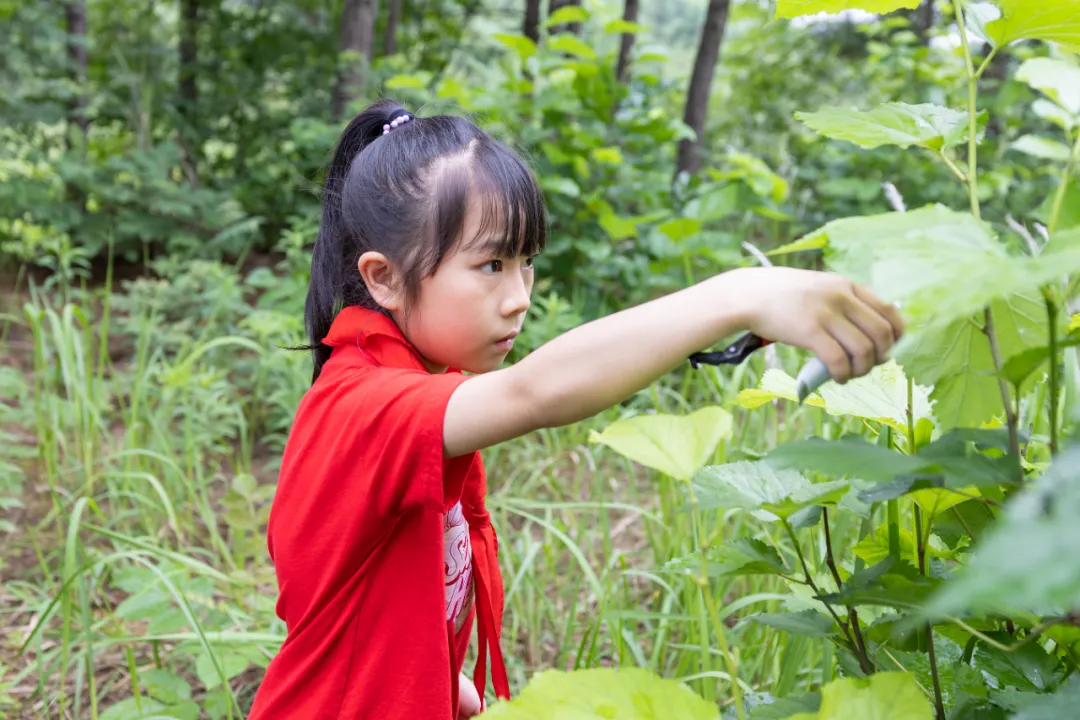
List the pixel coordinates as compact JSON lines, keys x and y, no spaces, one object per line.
{"x":1054,"y":380}
{"x":853,"y":614}
{"x":939,"y":705}
{"x":973,"y":83}
{"x":1011,"y":417}
{"x":1063,"y":186}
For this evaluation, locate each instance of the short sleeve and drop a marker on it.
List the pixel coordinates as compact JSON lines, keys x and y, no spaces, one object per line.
{"x":389,"y":429}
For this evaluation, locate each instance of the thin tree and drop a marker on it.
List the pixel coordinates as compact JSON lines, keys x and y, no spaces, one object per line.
{"x":697,"y":97}
{"x":189,"y":58}
{"x":626,"y":42}
{"x":75,"y":16}
{"x":531,"y":26}
{"x":357,"y":29}
{"x":393,"y":17}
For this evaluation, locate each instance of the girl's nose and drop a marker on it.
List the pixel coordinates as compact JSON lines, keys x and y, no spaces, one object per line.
{"x":518,"y":288}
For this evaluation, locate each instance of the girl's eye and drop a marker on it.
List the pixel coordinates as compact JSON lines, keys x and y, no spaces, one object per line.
{"x":494,"y":266}
{"x":529,"y":261}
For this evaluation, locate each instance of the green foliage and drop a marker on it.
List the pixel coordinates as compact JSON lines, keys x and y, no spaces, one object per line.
{"x":794,"y":8}
{"x":612,"y":694}
{"x":928,"y":126}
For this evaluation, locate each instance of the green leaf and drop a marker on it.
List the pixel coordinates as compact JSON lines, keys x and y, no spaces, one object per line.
{"x":715,"y":204}
{"x":1038,"y":706}
{"x":1028,"y":561}
{"x":233,"y":663}
{"x":165,"y":686}
{"x":785,"y":707}
{"x":811,"y":241}
{"x":603,"y":693}
{"x":572,"y":45}
{"x":929,"y":126}
{"x":768,"y":493}
{"x":523,"y":46}
{"x":675,"y":445}
{"x":743,"y":556}
{"x":934,"y":501}
{"x":621,"y":26}
{"x":795,"y":8}
{"x":560,"y":185}
{"x":145,"y":708}
{"x":618,"y":228}
{"x":1069,"y":217}
{"x":851,"y":457}
{"x":880,"y":395}
{"x":1057,"y":21}
{"x":875,"y":548}
{"x":566,"y":15}
{"x":607,"y":155}
{"x":680,"y":228}
{"x":1028,"y":667}
{"x":882,"y":696}
{"x":1042,"y":148}
{"x":406,"y":82}
{"x":807,"y":623}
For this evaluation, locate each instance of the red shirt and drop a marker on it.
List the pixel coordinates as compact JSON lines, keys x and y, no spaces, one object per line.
{"x":365,"y":499}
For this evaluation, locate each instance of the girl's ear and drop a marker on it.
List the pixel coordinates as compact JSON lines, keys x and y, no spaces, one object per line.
{"x":382,"y":279}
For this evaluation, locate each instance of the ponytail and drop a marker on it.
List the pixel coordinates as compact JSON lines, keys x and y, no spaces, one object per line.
{"x":334,"y":281}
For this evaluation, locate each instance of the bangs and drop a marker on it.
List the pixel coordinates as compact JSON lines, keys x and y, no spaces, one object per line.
{"x":513,"y":220}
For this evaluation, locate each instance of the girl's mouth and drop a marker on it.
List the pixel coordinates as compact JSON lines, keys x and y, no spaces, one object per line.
{"x":506,"y":344}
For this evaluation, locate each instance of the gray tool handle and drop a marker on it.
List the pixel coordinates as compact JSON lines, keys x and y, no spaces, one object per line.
{"x":813,"y":375}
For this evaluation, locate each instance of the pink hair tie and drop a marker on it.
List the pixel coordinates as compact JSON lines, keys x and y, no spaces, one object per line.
{"x":396,"y":122}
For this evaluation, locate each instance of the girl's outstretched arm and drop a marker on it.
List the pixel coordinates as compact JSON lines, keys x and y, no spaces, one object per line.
{"x":601,"y":363}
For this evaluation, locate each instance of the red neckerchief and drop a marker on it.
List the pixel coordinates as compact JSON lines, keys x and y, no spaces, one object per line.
{"x":380,"y":339}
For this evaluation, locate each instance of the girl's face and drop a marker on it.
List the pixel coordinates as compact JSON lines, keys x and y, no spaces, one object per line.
{"x":470,"y":310}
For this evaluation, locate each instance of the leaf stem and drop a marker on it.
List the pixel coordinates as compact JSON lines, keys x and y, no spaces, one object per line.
{"x":864,"y":662}
{"x":853,"y":614}
{"x":973,"y":83}
{"x":1051,"y":318}
{"x":952,"y":166}
{"x":1011,"y":418}
{"x":939,"y":705}
{"x":721,"y":636}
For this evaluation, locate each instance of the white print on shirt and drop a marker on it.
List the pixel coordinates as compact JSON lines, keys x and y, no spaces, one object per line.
{"x":458,"y":563}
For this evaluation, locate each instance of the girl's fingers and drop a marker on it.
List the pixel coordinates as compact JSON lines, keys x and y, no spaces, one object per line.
{"x":875,"y":326}
{"x":858,"y":346}
{"x":832,"y":353}
{"x":889,"y":312}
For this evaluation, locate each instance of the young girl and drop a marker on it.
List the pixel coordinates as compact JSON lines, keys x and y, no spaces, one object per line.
{"x":383,"y":549}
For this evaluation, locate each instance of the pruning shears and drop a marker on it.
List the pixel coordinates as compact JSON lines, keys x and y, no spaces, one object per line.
{"x":813,"y":374}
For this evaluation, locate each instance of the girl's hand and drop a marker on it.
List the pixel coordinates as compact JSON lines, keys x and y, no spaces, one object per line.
{"x":468,"y":698}
{"x":844,"y":324}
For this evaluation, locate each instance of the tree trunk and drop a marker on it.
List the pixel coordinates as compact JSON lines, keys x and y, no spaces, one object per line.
{"x":393,"y":17}
{"x":554,"y":5}
{"x":75,"y":12}
{"x":630,"y":14}
{"x":922,"y":20}
{"x":697,"y":97}
{"x":357,"y":28}
{"x":189,"y":58}
{"x":531,"y":27}
{"x":77,"y":62}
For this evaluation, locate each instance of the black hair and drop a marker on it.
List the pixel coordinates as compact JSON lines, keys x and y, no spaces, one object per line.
{"x":405,"y":194}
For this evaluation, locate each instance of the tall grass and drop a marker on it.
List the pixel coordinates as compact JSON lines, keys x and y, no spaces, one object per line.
{"x":140,"y":581}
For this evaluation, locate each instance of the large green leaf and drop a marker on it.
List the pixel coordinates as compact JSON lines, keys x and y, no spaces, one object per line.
{"x":851,"y":457}
{"x":1038,"y":706}
{"x":743,"y":556}
{"x":568,"y":14}
{"x":882,"y":696}
{"x":1028,"y":561}
{"x":795,"y":8}
{"x":880,"y":395}
{"x":1060,"y":80}
{"x":1052,"y":20}
{"x":603,"y":694}
{"x":676,"y":445}
{"x":929,"y":126}
{"x":808,"y":623}
{"x":915,"y":258}
{"x":767,"y":493}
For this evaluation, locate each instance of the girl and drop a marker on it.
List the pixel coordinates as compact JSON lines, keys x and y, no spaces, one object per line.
{"x":423,"y":267}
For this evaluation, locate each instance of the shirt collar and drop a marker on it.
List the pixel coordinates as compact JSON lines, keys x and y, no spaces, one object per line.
{"x":377,"y":336}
